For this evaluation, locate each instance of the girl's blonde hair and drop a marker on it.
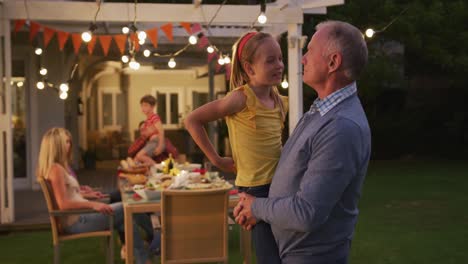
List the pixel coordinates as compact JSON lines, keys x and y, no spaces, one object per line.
{"x":53,"y":150}
{"x":238,"y":75}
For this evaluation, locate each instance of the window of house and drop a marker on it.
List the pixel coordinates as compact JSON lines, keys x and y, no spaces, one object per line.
{"x":169,"y":106}
{"x":109,"y":116}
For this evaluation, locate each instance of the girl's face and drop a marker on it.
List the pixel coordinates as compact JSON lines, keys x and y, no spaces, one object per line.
{"x":267,"y":65}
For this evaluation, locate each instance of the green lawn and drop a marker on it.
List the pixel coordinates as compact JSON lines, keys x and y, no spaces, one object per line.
{"x":411,"y":212}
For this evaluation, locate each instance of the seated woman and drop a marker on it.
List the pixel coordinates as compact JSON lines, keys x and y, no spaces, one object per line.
{"x":54,"y":158}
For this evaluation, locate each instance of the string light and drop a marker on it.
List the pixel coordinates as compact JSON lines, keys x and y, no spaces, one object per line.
{"x":192,"y":40}
{"x":285,"y":83}
{"x":134,"y":65}
{"x":369,"y":33}
{"x":63,"y":95}
{"x":227,"y":60}
{"x":125,"y":59}
{"x":171,"y":63}
{"x":146,"y":53}
{"x":64,"y":87}
{"x":125,"y":30}
{"x":20,"y":84}
{"x":262,"y":18}
{"x":88,"y":35}
{"x":43,"y":71}
{"x":40,"y":85}
{"x":38,"y":51}
{"x":210,"y":49}
{"x":221,"y":60}
{"x":142,"y":35}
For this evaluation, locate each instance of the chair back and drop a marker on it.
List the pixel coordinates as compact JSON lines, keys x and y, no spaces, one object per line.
{"x":51,"y":206}
{"x":194,"y":226}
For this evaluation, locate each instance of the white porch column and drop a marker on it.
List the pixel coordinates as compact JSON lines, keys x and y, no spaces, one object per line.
{"x":6,"y":150}
{"x":294,"y":74}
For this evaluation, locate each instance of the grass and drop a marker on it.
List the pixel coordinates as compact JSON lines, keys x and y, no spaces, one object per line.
{"x":410,"y":212}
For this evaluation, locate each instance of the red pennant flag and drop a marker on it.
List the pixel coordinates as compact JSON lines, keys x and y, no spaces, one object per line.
{"x":48,"y":35}
{"x":187,"y":27}
{"x":76,"y":40}
{"x":153,"y":36}
{"x":203,"y":42}
{"x":91,"y":45}
{"x":218,"y":67}
{"x":167,"y":29}
{"x":62,"y":38}
{"x":33,"y":29}
{"x":19,"y":23}
{"x":228,"y":72}
{"x":212,"y":56}
{"x":105,"y":41}
{"x":134,"y":39}
{"x":196,"y":28}
{"x":120,"y":40}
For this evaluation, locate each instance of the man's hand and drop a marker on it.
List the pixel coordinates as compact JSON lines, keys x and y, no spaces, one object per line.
{"x":243,"y":211}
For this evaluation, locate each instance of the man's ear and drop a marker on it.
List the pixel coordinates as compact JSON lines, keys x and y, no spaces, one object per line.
{"x":335,"y":62}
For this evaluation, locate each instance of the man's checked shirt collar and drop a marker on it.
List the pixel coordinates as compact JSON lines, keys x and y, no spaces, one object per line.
{"x":327,"y":104}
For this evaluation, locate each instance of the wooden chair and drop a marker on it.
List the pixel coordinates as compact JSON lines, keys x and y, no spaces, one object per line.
{"x":58,"y":235}
{"x":194,"y":226}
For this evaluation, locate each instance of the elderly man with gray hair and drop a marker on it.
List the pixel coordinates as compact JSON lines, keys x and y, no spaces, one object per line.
{"x":312,"y":206}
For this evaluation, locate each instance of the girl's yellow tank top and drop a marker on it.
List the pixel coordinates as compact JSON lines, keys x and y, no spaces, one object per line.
{"x":255,"y":137}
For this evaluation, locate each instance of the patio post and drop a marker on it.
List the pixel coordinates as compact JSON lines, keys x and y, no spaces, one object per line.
{"x":294,"y":74}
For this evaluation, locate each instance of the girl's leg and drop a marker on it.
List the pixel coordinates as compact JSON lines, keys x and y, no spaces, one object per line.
{"x":264,"y":242}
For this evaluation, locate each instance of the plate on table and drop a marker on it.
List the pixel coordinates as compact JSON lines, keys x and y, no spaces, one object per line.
{"x":199,"y":186}
{"x":188,"y":166}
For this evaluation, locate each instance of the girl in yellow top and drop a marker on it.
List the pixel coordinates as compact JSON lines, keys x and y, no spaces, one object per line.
{"x":255,"y":114}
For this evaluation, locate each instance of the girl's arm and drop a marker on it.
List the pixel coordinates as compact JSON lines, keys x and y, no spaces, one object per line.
{"x":57,"y":180}
{"x":160,"y":136}
{"x":212,"y":111}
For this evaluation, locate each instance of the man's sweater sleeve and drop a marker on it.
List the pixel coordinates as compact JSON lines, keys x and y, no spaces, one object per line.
{"x":334,"y":155}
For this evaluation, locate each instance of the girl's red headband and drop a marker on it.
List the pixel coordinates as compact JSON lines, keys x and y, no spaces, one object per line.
{"x":242,"y":43}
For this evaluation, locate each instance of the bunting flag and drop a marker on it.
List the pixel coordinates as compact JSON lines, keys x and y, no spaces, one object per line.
{"x":228,"y":71}
{"x":76,"y":40}
{"x":48,"y":35}
{"x":196,"y":28}
{"x":167,"y":29}
{"x":19,"y":23}
{"x":203,"y":42}
{"x":120,"y":41}
{"x":33,"y":29}
{"x":153,"y":36}
{"x":212,"y":56}
{"x":187,"y":27}
{"x":105,"y":41}
{"x":91,"y":45}
{"x":134,"y":39}
{"x":62,"y":39}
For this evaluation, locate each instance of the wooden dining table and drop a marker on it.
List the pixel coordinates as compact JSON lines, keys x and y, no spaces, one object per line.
{"x":132,"y":206}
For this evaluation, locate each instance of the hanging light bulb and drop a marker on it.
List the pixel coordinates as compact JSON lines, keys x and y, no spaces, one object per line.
{"x":146,"y":53}
{"x":134,"y":65}
{"x":210,"y":49}
{"x":141,"y":41}
{"x":141,"y":35}
{"x":221,"y":60}
{"x":262,"y":18}
{"x":125,"y":30}
{"x":38,"y":51}
{"x":125,"y":59}
{"x":20,"y":84}
{"x":192,"y":40}
{"x":64,"y":87}
{"x":285,"y":83}
{"x":40,"y":85}
{"x":88,"y":35}
{"x":370,"y":33}
{"x":227,"y":60}
{"x":63,"y":95}
{"x":43,"y":71}
{"x":172,"y":63}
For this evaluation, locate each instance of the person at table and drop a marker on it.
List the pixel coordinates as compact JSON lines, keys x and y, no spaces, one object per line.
{"x":313,"y":202}
{"x":152,"y":130}
{"x":53,"y":166}
{"x":255,"y":113}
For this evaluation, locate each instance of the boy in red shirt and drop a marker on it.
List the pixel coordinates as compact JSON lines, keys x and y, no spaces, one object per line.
{"x":152,"y":130}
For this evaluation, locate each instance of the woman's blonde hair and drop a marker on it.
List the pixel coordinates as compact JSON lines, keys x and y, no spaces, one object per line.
{"x":53,"y":150}
{"x":239,"y":76}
